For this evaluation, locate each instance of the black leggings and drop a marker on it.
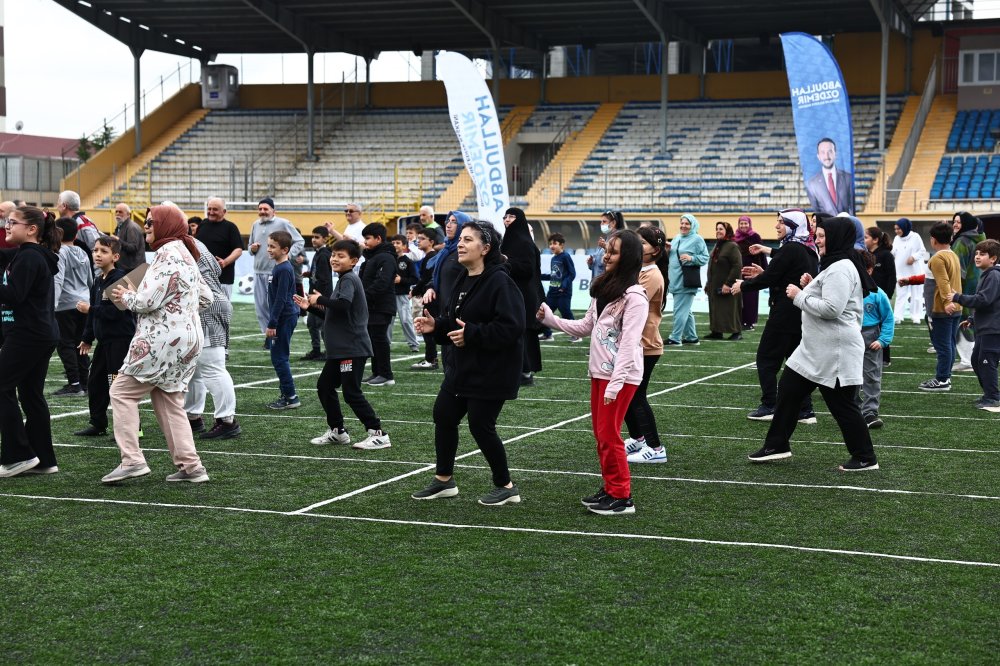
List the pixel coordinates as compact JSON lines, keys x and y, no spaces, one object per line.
{"x":639,"y":418}
{"x":22,"y":375}
{"x":449,"y":410}
{"x":345,"y":374}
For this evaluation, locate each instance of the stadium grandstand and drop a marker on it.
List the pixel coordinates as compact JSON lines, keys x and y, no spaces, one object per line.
{"x":667,"y":112}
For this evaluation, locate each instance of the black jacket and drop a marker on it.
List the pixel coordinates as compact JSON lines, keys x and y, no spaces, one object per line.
{"x":425,"y":274}
{"x":378,"y":275}
{"x":27,"y":294}
{"x":407,"y":272}
{"x":488,"y":366}
{"x":320,"y":273}
{"x":524,"y":260}
{"x":106,"y":322}
{"x":885,"y":271}
{"x":787,"y":265}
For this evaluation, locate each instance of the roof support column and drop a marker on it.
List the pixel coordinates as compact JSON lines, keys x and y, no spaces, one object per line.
{"x":494,"y":46}
{"x":883,"y":82}
{"x":665,"y":42}
{"x":136,"y":55}
{"x":311,"y":132}
{"x":368,"y":82}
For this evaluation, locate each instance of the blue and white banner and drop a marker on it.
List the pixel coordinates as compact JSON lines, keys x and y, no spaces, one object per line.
{"x":822,"y":116}
{"x":477,"y":125}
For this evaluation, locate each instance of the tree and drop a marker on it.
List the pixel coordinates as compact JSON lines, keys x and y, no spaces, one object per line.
{"x":103,"y":137}
{"x":83,"y":149}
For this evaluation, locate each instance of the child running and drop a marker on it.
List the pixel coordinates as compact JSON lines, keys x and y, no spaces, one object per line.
{"x":345,"y":335}
{"x":614,"y":321}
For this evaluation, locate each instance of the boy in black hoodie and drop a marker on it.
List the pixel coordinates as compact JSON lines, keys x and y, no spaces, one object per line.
{"x":112,"y":328}
{"x":27,"y":295}
{"x":378,"y":277}
{"x":320,"y":282}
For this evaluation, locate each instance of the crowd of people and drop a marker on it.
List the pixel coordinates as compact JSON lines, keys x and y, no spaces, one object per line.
{"x":474,"y":299}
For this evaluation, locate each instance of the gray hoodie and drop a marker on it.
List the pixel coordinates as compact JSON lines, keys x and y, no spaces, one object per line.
{"x":259,"y":232}
{"x":75,"y":278}
{"x":985,"y":303}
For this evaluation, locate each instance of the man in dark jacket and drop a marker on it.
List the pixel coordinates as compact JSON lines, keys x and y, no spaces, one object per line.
{"x":783,"y":330}
{"x":378,"y":276}
{"x":524,"y":262}
{"x":320,"y":282}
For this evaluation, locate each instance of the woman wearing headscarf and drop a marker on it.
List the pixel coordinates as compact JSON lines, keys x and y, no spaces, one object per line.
{"x":611,"y":221}
{"x":967,"y":235}
{"x":524,"y":262}
{"x":724,"y":268}
{"x":446,"y":269}
{"x":745,"y":237}
{"x":783,"y":329}
{"x":831,"y":353}
{"x":163,"y":353}
{"x":911,"y":259}
{"x":483,"y":324}
{"x":880,"y":245}
{"x":687,"y":249}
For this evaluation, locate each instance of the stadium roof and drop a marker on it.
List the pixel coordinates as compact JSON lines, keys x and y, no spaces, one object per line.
{"x":202,"y":29}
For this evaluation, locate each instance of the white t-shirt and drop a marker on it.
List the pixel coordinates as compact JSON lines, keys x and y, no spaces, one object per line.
{"x":353,"y":231}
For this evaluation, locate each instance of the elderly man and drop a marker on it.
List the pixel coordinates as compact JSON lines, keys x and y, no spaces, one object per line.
{"x":267,"y":223}
{"x":223,"y":240}
{"x":427,"y":218}
{"x":131,"y":237}
{"x":68,"y":205}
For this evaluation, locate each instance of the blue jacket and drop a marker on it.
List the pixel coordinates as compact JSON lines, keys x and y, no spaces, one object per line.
{"x":561,"y":274}
{"x":280,"y":289}
{"x":878,"y":312}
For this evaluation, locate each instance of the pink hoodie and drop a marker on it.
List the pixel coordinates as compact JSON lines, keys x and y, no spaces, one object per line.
{"x":615,"y":337}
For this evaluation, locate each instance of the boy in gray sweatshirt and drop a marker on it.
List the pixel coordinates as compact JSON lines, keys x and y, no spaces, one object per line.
{"x":73,"y":284}
{"x":985,"y":304}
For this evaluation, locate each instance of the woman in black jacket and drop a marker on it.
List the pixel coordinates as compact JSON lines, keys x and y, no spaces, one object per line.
{"x":30,"y":334}
{"x":524,"y":261}
{"x":483,"y":323}
{"x":884,"y":274}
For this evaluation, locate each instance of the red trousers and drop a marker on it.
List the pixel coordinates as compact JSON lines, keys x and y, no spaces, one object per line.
{"x":606,"y":421}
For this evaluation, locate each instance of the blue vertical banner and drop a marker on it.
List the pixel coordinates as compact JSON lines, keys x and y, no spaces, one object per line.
{"x":477,"y":126}
{"x":821,"y":113}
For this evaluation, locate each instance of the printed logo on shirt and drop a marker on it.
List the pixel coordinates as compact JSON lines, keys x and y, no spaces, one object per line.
{"x":347,"y":366}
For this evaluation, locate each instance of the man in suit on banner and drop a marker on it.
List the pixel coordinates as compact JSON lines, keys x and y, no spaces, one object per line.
{"x":830,"y":191}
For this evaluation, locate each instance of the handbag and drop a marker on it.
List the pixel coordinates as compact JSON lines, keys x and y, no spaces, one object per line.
{"x":691,"y":277}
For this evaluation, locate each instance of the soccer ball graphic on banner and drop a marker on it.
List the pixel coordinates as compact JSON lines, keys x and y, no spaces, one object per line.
{"x":245,"y":285}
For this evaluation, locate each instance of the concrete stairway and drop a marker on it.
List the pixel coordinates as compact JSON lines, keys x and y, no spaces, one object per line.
{"x":930,"y":150}
{"x":876,"y":195}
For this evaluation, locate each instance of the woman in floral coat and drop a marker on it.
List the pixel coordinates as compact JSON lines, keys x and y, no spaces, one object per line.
{"x":167,"y":342}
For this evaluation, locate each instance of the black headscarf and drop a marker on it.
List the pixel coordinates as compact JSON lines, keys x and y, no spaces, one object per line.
{"x":517,"y":231}
{"x":969,"y":222}
{"x":840,"y":235}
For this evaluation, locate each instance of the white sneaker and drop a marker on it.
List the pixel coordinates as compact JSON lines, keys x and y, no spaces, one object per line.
{"x":649,"y":455}
{"x":123,"y":472}
{"x":634,"y":446}
{"x":931,"y":350}
{"x":14,"y":469}
{"x":961,"y":366}
{"x":376,"y":439}
{"x":331,"y":436}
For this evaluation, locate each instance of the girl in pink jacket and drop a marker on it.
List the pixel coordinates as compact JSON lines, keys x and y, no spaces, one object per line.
{"x":614,"y":322}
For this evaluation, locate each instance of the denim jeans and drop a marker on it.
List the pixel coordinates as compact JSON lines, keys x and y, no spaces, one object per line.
{"x":279,"y":355}
{"x":943,"y":339}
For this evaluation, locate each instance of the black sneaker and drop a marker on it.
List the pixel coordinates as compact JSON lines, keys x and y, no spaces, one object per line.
{"x":856,"y":465}
{"x":873,"y":421}
{"x":670,"y":343}
{"x":714,"y":336}
{"x":765,"y":454}
{"x":595,"y":499}
{"x":613,"y":506}
{"x":223,"y":430}
{"x":500,"y":496}
{"x":437,"y":490}
{"x":91,"y":431}
{"x":935,"y":384}
{"x":694,"y":341}
{"x":527,"y":379}
{"x":807,"y":417}
{"x":736,"y":336}
{"x":70,"y":391}
{"x":197,"y":425}
{"x":762,"y":413}
{"x":311,"y":355}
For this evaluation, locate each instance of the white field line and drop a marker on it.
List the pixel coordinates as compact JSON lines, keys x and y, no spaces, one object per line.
{"x":525,"y":530}
{"x":508,"y":441}
{"x":925,"y":393}
{"x":675,"y":479}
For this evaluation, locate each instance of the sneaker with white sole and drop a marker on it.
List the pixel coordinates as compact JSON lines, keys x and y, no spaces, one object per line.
{"x":613,"y":506}
{"x":858,"y":465}
{"x":199,"y":475}
{"x":935,"y":384}
{"x":595,"y":499}
{"x":36,"y":471}
{"x":123,"y":472}
{"x":961,"y":367}
{"x":284,"y":402}
{"x":381,"y":381}
{"x":648,"y":454}
{"x":332,"y":436}
{"x":762,"y":413}
{"x":21,"y":467}
{"x":872,"y":420}
{"x":425,"y":365}
{"x":764,"y":454}
{"x":989,"y":405}
{"x":437,"y":490}
{"x":501,"y":496}
{"x":807,"y":418}
{"x":376,"y":439}
{"x":634,"y":445}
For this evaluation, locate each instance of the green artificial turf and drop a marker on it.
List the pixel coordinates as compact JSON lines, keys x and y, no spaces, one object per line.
{"x":723,"y":561}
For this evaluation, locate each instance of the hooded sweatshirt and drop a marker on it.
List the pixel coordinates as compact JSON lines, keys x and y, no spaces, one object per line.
{"x":690,"y":243}
{"x":378,"y":275}
{"x":27,"y":291}
{"x":985,"y":303}
{"x":964,"y":247}
{"x":75,"y":278}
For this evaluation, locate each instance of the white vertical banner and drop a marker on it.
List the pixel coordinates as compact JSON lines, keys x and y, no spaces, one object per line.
{"x":477,"y":125}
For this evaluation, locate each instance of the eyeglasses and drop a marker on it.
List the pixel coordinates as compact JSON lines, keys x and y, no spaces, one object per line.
{"x":11,"y":223}
{"x":351,"y":210}
{"x":148,"y":224}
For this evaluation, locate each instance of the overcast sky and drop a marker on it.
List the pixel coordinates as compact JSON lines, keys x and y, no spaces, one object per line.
{"x":64,"y":76}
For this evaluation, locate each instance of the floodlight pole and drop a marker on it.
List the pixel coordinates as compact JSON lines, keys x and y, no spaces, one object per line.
{"x":494,"y":46}
{"x":136,"y":55}
{"x":663,"y":72}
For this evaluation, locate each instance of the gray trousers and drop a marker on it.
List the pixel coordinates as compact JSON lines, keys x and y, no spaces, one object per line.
{"x":871,"y":383}
{"x":405,"y":315}
{"x":260,"y":300}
